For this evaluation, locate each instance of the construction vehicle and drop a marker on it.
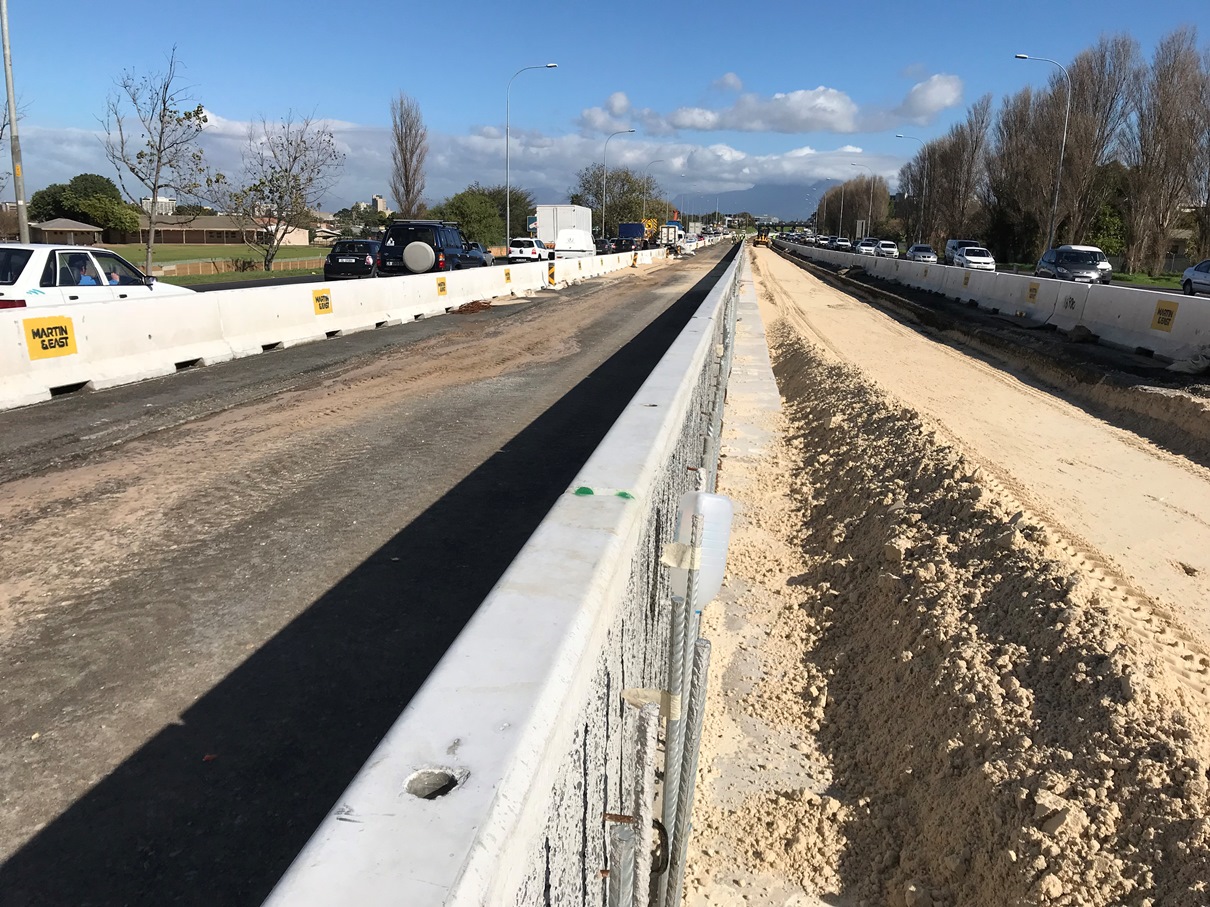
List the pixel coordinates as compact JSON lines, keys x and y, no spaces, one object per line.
{"x":762,"y":235}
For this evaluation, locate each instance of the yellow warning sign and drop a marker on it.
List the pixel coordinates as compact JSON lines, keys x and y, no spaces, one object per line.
{"x":440,"y":286}
{"x":47,"y":337}
{"x":508,"y":275}
{"x":966,"y":278}
{"x":1165,"y":315}
{"x":550,"y":273}
{"x":323,"y":301}
{"x":1033,"y":292}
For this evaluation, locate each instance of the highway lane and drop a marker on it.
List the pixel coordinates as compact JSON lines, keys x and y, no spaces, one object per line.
{"x":220,"y":588}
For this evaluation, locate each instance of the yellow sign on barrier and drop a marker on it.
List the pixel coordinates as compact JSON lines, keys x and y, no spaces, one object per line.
{"x":47,"y":337}
{"x":1165,"y":315}
{"x":322,"y":300}
{"x":508,"y":275}
{"x":1033,"y":291}
{"x":966,"y":278}
{"x":440,"y":286}
{"x":550,"y":273}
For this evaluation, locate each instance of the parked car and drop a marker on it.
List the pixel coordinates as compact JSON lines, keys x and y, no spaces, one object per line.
{"x":420,"y":246}
{"x":953,"y":245}
{"x":1195,"y":279}
{"x":627,"y":244}
{"x":522,"y":249}
{"x":352,"y":258}
{"x":42,"y":274}
{"x":605,"y":247}
{"x":1067,"y":263}
{"x":887,"y":249}
{"x":484,"y":252}
{"x":975,"y":257}
{"x":922,"y":252}
{"x":843,"y":244}
{"x":867,"y":246}
{"x":1104,"y":268}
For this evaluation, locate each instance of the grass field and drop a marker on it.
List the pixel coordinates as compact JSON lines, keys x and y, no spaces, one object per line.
{"x":164,"y":254}
{"x":189,"y":280}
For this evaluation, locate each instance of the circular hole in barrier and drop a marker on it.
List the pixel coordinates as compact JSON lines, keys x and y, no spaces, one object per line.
{"x":431,"y":783}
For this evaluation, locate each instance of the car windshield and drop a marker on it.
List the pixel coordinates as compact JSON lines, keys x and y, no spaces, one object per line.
{"x":12,"y":263}
{"x":973,"y":252}
{"x":402,"y":236}
{"x":1078,"y":258}
{"x":925,"y":249}
{"x":353,"y":248}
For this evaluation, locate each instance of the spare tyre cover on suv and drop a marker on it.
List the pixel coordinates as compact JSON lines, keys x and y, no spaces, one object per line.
{"x":418,"y":257}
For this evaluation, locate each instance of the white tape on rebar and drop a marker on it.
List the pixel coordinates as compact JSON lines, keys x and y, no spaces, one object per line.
{"x":681,"y":556}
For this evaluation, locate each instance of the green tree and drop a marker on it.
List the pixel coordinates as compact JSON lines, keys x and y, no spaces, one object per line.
{"x":88,"y":185}
{"x":195,"y":210}
{"x":48,"y":203}
{"x":522,"y":207}
{"x":476,"y":214}
{"x":626,"y":194}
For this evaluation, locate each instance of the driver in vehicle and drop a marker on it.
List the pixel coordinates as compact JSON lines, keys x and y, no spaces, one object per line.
{"x":79,"y":268}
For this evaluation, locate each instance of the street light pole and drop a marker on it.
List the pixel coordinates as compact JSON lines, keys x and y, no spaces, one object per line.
{"x":508,"y":196}
{"x":1054,"y":207}
{"x":869,"y":218}
{"x":18,"y":176}
{"x":605,"y":173}
{"x":645,"y":169}
{"x":924,"y":172}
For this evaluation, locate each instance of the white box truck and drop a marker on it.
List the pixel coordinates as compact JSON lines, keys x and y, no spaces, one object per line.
{"x":554,"y":218}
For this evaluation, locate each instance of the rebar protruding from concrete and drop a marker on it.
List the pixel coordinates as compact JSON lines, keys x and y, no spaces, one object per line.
{"x":621,"y":866}
{"x":684,"y":808}
{"x":644,"y":800}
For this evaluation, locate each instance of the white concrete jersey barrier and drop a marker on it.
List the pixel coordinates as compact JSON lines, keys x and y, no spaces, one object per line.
{"x":524,"y":717}
{"x":103,"y":344}
{"x":1170,"y":327}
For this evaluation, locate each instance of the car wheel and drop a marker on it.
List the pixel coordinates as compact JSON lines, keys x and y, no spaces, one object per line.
{"x":1187,"y":286}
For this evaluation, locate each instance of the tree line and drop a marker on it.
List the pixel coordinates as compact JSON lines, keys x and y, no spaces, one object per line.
{"x":1136,"y":163}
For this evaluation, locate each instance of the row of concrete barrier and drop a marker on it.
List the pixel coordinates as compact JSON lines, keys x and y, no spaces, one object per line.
{"x":505,"y":776}
{"x":97,"y":345}
{"x":1171,"y":327}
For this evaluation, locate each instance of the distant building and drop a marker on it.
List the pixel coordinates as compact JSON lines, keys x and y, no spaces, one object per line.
{"x":162,"y":205}
{"x":379,"y":204}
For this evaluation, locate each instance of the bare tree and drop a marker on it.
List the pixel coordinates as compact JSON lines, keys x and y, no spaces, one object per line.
{"x":287,"y":168}
{"x":409,"y":148}
{"x":1100,"y":83}
{"x":151,"y":136}
{"x":1020,"y":164}
{"x":959,"y":171}
{"x":1200,"y":177}
{"x":1158,"y":146}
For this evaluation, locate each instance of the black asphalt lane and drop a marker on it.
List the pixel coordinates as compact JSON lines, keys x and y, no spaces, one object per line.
{"x":292,"y":725}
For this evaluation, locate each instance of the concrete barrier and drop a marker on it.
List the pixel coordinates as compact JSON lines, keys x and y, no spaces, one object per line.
{"x":521,"y":727}
{"x":123,"y":341}
{"x":1168,"y":326}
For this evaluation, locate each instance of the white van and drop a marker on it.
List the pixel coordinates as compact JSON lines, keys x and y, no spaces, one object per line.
{"x":572,"y":243}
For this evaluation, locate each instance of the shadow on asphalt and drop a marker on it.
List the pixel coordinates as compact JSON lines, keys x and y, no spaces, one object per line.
{"x":295,"y":722}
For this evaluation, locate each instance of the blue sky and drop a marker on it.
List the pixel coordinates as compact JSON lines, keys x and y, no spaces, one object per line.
{"x":731,"y":95}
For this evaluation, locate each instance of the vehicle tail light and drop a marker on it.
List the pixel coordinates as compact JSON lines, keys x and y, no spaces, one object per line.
{"x":380,"y":259}
{"x":440,"y":261}
{"x":12,"y":303}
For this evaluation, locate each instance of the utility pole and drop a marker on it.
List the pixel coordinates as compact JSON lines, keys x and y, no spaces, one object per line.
{"x":18,"y":176}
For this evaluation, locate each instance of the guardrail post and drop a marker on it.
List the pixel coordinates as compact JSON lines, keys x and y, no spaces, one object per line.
{"x":688,"y":771}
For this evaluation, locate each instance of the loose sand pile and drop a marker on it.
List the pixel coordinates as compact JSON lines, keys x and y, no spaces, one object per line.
{"x":920,"y":698}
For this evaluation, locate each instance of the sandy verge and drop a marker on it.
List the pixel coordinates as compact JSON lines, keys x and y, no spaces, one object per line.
{"x":925,"y":691}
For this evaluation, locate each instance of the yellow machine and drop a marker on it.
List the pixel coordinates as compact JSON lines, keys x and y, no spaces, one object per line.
{"x":762,"y":235}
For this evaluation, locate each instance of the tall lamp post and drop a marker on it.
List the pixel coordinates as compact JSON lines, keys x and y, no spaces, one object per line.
{"x":605,"y":173}
{"x":924,"y":173}
{"x":1054,"y":206}
{"x":508,"y":196}
{"x":869,"y":218}
{"x":645,"y":169}
{"x":18,"y":176}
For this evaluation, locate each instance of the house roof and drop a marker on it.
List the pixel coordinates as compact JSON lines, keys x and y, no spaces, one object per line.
{"x":63,"y":223}
{"x":195,"y":222}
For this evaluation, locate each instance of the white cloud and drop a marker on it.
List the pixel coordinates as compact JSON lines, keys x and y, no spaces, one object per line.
{"x":618,"y":104}
{"x":728,"y":82}
{"x":817,"y":109}
{"x":928,"y":98}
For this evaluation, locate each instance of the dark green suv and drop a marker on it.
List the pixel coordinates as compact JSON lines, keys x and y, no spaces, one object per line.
{"x":420,"y":246}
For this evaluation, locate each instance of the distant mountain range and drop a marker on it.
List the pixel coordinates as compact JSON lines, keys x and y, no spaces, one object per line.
{"x":784,"y":202}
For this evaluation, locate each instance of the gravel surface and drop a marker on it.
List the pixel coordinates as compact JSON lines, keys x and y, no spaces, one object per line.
{"x":213,"y":606}
{"x":962,"y":655}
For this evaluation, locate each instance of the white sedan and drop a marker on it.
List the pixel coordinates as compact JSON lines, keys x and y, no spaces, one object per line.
{"x":922,"y":252}
{"x":522,"y":248}
{"x":43,"y":274}
{"x":867,"y":247}
{"x":887,"y":249}
{"x":975,"y":257}
{"x":1196,"y":279}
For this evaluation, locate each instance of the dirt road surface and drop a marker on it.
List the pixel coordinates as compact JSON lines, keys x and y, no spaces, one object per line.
{"x":962,"y":659}
{"x":218,"y":590}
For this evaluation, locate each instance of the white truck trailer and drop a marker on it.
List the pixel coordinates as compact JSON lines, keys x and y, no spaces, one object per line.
{"x":554,"y":218}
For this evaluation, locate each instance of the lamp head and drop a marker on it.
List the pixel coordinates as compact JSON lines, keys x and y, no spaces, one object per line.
{"x":552,"y":65}
{"x":1022,"y":56}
